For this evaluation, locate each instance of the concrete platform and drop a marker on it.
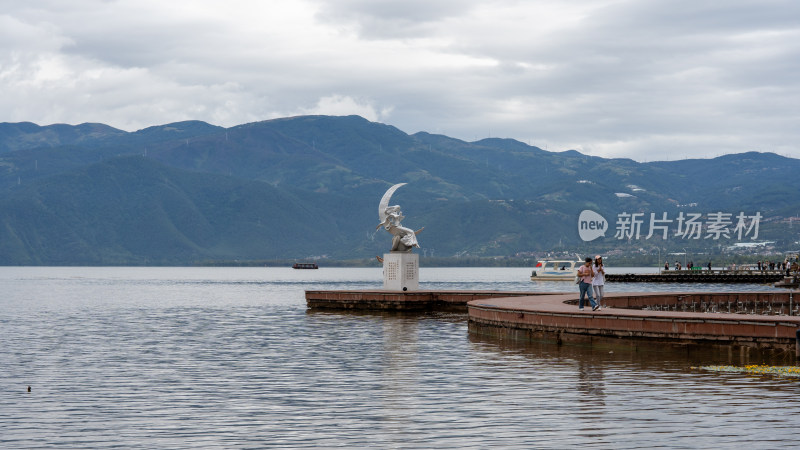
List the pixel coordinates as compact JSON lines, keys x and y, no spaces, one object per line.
{"x":678,"y":320}
{"x":403,"y":300}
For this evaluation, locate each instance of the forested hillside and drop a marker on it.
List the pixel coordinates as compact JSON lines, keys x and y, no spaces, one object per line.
{"x":303,"y":187}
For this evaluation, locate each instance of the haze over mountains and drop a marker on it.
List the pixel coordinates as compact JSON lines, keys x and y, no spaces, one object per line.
{"x":302,"y":187}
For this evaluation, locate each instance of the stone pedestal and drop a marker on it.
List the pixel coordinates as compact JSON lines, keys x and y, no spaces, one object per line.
{"x":401,"y":271}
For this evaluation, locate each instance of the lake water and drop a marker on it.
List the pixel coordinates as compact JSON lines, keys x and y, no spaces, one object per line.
{"x":231,"y":358}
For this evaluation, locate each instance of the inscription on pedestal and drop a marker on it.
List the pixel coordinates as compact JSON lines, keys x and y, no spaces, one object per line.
{"x":401,"y":271}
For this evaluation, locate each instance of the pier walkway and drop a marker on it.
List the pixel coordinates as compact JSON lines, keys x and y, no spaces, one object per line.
{"x":749,"y":319}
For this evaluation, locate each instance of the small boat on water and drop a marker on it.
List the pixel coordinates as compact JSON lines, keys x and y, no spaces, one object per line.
{"x":305,"y":266}
{"x":556,"y":270}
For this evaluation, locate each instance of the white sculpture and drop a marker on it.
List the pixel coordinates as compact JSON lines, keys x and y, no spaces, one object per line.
{"x":404,"y":239}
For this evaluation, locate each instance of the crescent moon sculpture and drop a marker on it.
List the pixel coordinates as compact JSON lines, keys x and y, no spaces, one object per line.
{"x":403,"y":239}
{"x":385,"y":200}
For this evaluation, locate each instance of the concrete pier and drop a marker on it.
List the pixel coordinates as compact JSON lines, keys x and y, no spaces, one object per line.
{"x":744,"y":319}
{"x":403,"y":300}
{"x":655,"y":317}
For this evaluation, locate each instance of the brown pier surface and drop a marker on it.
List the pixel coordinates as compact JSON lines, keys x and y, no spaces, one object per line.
{"x":403,"y":300}
{"x":626,"y":316}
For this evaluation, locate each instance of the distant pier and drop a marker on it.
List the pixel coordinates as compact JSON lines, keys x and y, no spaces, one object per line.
{"x":699,"y":276}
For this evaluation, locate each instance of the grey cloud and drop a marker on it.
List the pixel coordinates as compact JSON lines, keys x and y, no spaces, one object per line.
{"x":617,"y":78}
{"x":384,"y":19}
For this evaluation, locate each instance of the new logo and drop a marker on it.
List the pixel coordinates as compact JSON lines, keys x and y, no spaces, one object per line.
{"x":591,"y":225}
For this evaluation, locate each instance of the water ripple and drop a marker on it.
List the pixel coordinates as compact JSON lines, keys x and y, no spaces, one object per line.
{"x":184,"y":363}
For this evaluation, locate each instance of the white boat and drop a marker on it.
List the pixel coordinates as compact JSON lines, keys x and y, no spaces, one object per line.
{"x":556,"y":270}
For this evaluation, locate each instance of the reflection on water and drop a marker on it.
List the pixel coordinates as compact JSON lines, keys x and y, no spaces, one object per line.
{"x":590,"y":383}
{"x":654,"y":398}
{"x":231,"y":358}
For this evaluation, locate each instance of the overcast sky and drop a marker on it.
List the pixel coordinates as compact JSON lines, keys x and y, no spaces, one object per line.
{"x":647,"y":79}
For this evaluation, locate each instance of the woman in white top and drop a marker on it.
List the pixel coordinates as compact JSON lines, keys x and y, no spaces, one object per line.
{"x":599,"y":279}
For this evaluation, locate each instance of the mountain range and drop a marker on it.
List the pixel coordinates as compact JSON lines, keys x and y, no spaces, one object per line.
{"x":309,"y":186}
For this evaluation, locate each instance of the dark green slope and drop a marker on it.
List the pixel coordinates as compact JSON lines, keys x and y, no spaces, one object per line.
{"x":360,"y":152}
{"x":328,"y":154}
{"x":255,"y":153}
{"x":749,"y":181}
{"x":135,"y":210}
{"x":40,"y":152}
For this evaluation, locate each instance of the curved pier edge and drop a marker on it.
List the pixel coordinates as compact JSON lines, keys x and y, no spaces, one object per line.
{"x":633,"y":316}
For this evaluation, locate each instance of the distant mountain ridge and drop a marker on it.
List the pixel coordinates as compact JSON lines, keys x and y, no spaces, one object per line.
{"x":27,"y":135}
{"x":308,"y":186}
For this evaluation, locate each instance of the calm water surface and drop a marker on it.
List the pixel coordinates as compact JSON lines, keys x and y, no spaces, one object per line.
{"x":231,"y":358}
